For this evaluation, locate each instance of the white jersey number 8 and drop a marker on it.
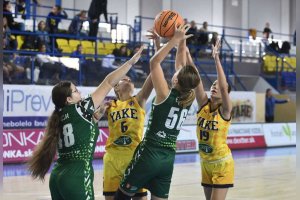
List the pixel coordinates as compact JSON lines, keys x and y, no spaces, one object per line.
{"x":68,"y":136}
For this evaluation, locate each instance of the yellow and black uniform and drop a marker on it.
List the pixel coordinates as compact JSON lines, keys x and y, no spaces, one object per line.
{"x":126,"y":126}
{"x":216,"y":160}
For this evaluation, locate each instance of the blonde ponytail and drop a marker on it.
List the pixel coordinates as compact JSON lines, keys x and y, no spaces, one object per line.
{"x":186,"y":99}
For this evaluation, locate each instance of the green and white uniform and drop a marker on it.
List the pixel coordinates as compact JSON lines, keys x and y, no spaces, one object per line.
{"x":73,"y":175}
{"x":152,"y":164}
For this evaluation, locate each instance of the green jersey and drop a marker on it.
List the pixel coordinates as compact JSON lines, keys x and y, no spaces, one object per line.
{"x":165,"y":122}
{"x":72,"y":176}
{"x":79,"y":132}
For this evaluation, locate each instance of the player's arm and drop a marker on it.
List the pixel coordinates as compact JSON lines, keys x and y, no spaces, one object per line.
{"x":200,"y":93}
{"x":223,"y":85}
{"x":101,"y":111}
{"x":146,"y":90}
{"x":113,"y":78}
{"x":180,"y":59}
{"x":157,"y":74}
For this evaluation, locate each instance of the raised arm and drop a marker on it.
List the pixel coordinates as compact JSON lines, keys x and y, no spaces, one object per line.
{"x":157,"y":75}
{"x":222,"y":82}
{"x":180,"y":59}
{"x":200,"y":93}
{"x":113,"y":78}
{"x":146,"y":90}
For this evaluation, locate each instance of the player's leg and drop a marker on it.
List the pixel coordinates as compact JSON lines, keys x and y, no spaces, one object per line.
{"x":76,"y":181}
{"x":223,"y":176}
{"x":207,"y":192}
{"x":140,"y":196}
{"x":137,"y":174}
{"x":153,"y":197}
{"x":219,"y":193}
{"x":206,"y":179}
{"x":115,"y":164}
{"x":122,"y":195}
{"x":111,"y":176}
{"x":54,"y":190}
{"x":160,"y":184}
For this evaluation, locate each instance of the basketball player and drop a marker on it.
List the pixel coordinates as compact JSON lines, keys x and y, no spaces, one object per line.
{"x":152,"y":164}
{"x":126,"y":126}
{"x":213,"y":121}
{"x":72,"y":129}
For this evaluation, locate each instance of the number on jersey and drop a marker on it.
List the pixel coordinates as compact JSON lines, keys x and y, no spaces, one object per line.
{"x":173,"y":118}
{"x":68,"y":135}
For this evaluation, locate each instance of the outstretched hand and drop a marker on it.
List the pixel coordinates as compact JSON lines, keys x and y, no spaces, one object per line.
{"x":151,"y":34}
{"x":215,"y":48}
{"x":180,"y":32}
{"x":101,"y":110}
{"x":136,"y":56}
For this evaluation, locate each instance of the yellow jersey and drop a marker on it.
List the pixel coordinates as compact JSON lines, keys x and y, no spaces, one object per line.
{"x":125,"y":124}
{"x":212,"y":130}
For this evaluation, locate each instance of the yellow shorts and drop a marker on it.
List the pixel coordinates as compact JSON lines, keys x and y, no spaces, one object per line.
{"x":114,"y":165}
{"x":219,"y":173}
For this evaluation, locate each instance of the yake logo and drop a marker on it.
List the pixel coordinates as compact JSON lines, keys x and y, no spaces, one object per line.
{"x":242,"y":110}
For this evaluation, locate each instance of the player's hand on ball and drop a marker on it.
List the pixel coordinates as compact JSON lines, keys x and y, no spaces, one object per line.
{"x":155,"y":37}
{"x":180,"y":32}
{"x":151,"y":34}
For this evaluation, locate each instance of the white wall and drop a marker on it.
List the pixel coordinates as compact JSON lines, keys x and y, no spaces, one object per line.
{"x":233,"y":16}
{"x":292,"y":16}
{"x":197,"y":10}
{"x":264,"y":11}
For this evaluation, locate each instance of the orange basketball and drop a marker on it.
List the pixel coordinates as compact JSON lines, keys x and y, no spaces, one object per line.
{"x":164,"y":23}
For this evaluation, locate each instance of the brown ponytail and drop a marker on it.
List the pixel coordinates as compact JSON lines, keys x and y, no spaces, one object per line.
{"x":188,"y":78}
{"x":186,"y":99}
{"x":44,"y":153}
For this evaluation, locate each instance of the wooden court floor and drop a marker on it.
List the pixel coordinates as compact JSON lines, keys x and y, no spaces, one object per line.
{"x":265,"y":177}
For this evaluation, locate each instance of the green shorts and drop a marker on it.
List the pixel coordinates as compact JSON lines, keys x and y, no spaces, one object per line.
{"x":72,"y":180}
{"x":151,"y":168}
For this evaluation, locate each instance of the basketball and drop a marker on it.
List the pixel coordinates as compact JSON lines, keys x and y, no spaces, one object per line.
{"x":164,"y":23}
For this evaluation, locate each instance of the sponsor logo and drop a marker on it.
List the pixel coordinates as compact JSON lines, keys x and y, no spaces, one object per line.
{"x":287,"y":131}
{"x":205,"y":148}
{"x":131,"y":103}
{"x":123,"y":140}
{"x":161,"y":134}
{"x":242,"y":110}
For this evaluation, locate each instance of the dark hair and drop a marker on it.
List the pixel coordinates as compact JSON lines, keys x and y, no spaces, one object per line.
{"x":115,"y":52}
{"x":268,"y":90}
{"x":39,"y":25}
{"x":41,"y":45}
{"x":78,"y":45}
{"x":58,"y":7}
{"x":5,"y":3}
{"x":188,"y":78}
{"x":44,"y":153}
